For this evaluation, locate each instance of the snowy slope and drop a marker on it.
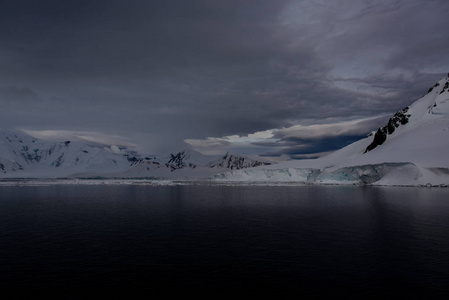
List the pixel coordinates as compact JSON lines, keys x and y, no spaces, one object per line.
{"x":22,"y":156}
{"x":189,"y":164}
{"x":236,"y":162}
{"x":412,"y":149}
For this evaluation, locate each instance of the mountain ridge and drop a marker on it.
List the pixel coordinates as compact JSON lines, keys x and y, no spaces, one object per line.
{"x":23,"y":156}
{"x":411,"y":149}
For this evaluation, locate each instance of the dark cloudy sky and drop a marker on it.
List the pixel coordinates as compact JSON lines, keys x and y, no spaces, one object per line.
{"x":291,"y":78}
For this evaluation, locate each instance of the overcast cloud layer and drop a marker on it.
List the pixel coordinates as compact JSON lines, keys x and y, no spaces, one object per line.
{"x":217,"y":74}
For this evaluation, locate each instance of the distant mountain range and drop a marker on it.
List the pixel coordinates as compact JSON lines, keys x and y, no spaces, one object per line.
{"x":411,"y":149}
{"x":23,"y":156}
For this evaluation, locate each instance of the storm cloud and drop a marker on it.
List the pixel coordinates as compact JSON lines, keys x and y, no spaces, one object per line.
{"x":163,"y":73}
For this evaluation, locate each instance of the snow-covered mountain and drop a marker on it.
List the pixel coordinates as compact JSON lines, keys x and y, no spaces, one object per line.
{"x":411,"y":149}
{"x":237,"y":162}
{"x":23,"y":156}
{"x":191,"y":165}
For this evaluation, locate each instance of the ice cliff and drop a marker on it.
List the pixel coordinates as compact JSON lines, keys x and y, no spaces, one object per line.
{"x":411,"y":149}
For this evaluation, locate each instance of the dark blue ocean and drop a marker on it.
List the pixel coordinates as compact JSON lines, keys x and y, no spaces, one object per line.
{"x":288,"y":242}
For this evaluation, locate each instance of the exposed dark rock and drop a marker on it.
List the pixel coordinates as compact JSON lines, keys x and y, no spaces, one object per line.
{"x":391,"y":126}
{"x":133,"y":160}
{"x":177,"y":161}
{"x":57,"y":163}
{"x":50,"y":151}
{"x":431,"y":89}
{"x":237,"y":162}
{"x":16,"y":167}
{"x":446,"y":86}
{"x":30,"y":157}
{"x":379,"y":138}
{"x":399,"y":118}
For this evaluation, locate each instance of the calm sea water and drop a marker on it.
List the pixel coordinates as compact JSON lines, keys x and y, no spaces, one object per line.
{"x":214,"y":241}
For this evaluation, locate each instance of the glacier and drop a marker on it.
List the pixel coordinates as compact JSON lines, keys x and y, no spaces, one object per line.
{"x":385,"y":174}
{"x":411,"y":150}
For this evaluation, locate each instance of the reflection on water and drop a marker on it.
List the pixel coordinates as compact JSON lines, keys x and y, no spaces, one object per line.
{"x":317,"y":241}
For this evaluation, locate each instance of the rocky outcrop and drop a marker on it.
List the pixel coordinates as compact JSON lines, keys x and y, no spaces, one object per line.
{"x":234,"y":162}
{"x":400,"y":118}
{"x":178,"y":161}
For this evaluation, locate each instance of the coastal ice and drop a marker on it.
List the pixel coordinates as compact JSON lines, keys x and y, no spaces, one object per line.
{"x":412,"y":149}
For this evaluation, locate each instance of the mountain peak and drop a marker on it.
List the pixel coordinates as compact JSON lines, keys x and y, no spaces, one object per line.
{"x":434,"y":103}
{"x":24,"y":156}
{"x":236,"y":162}
{"x":411,"y":149}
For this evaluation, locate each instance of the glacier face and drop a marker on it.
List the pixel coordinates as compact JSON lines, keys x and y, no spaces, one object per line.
{"x":366,"y":174}
{"x":394,"y":174}
{"x":411,"y":149}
